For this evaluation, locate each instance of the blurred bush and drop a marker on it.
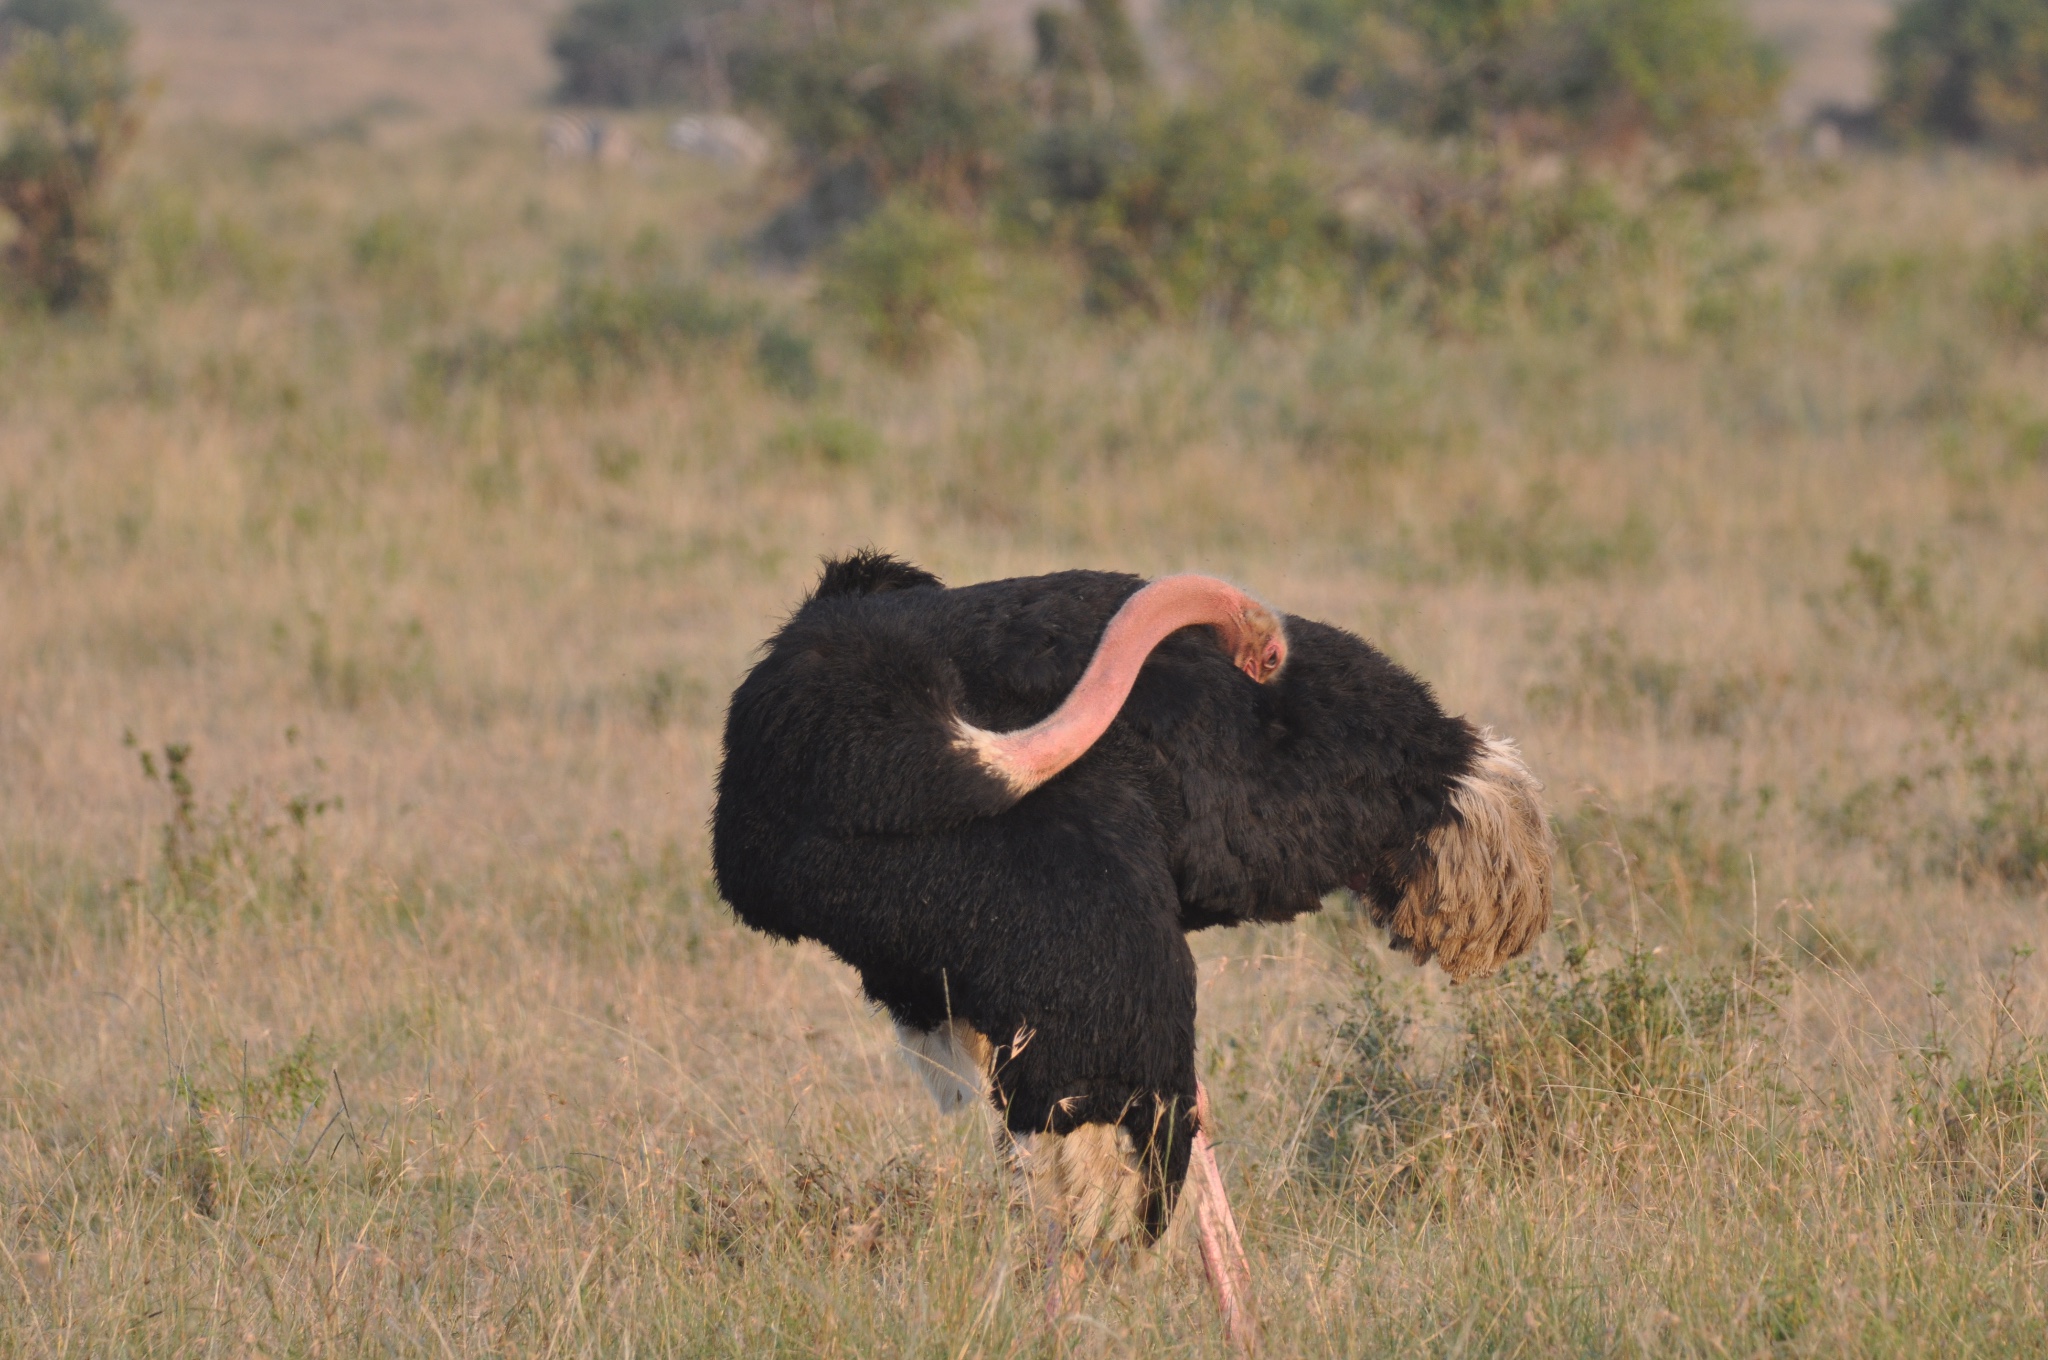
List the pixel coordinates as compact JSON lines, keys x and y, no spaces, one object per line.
{"x":97,"y":20}
{"x":595,"y":329}
{"x":868,"y":104}
{"x":1088,"y":60}
{"x":1206,"y":206}
{"x":1589,"y":73}
{"x":1971,"y":70}
{"x":940,"y":120}
{"x":70,"y":110}
{"x":629,"y":53}
{"x":1200,"y":209}
{"x":1451,"y":159}
{"x":1544,"y":540}
{"x":2013,"y":287}
{"x":853,"y":84}
{"x":835,"y":440}
{"x":904,"y":275}
{"x":876,"y":113}
{"x":787,"y":362}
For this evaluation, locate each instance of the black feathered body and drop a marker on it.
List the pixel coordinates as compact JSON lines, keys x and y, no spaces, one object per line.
{"x":1055,"y":923}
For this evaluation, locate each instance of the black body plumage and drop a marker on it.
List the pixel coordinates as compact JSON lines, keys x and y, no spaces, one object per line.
{"x":1055,"y":923}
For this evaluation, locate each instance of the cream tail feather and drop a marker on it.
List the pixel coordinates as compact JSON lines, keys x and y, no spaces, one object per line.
{"x":1484,"y":896}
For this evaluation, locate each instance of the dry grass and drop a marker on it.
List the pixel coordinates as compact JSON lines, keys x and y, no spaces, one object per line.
{"x":409,"y":1023}
{"x":299,"y":65}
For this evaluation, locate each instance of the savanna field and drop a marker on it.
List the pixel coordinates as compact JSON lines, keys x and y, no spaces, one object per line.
{"x":375,"y":565}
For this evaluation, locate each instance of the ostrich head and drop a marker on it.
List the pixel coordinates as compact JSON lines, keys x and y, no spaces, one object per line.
{"x":1254,"y":638}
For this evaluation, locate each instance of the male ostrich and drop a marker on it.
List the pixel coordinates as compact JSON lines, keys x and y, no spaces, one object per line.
{"x":1006,"y":804}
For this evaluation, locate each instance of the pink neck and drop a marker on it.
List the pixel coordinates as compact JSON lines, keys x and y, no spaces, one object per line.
{"x":1029,"y":756}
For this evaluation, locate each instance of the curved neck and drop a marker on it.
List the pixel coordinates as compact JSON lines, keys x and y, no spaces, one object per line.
{"x":1028,"y":757}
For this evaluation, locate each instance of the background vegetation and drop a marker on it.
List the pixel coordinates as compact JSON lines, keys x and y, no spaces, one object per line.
{"x":375,"y":562}
{"x":1971,"y":70}
{"x":69,"y":108}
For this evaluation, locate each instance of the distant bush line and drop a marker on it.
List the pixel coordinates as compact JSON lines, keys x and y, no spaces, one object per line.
{"x":1242,"y":200}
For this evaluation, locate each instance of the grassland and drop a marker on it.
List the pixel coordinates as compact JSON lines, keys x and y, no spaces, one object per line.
{"x":372,"y":577}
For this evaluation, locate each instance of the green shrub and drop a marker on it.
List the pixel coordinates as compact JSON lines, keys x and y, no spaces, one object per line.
{"x":1377,"y":1105}
{"x":1086,"y":58}
{"x":1225,"y":205}
{"x":1865,"y":287}
{"x":1972,"y":70}
{"x":904,"y":275}
{"x":1545,"y":540}
{"x":170,"y":238}
{"x":788,"y":362}
{"x":1542,"y":1064}
{"x":1667,"y":858}
{"x":1980,"y":817}
{"x":2030,"y":648}
{"x":1897,"y":597}
{"x":249,"y":857}
{"x":1982,"y":1119}
{"x":400,"y":253}
{"x":1606,"y":680}
{"x":1461,"y":241}
{"x":1584,"y":71}
{"x":389,"y":244}
{"x":2013,"y":287}
{"x":869,"y":118}
{"x":96,"y":20}
{"x":1199,"y":210}
{"x":1542,"y":1040}
{"x":628,"y":53}
{"x":616,"y":461}
{"x":835,"y":440}
{"x":1368,"y":405}
{"x":594,"y":329}
{"x":70,"y":113}
{"x":941,"y":121}
{"x":2001,"y":837}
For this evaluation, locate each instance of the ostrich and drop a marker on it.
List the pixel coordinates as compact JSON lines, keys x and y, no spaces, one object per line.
{"x":1006,"y":805}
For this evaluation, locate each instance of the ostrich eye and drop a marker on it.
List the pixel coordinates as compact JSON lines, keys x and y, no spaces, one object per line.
{"x":1271,"y":659}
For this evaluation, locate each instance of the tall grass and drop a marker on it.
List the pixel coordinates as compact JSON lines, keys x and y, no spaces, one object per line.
{"x":418,"y":502}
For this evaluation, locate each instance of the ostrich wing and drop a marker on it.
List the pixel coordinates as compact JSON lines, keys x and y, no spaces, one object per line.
{"x":1344,"y":772}
{"x":1053,"y":929}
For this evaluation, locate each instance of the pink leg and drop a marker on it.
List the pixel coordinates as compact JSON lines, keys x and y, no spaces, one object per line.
{"x":1222,"y":1252}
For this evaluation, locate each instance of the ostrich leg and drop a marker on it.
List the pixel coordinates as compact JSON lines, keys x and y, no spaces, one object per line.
{"x":1085,"y":1188}
{"x":1222,"y":1253}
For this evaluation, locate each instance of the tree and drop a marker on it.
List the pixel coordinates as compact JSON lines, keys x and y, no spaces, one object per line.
{"x":1971,"y":70}
{"x":629,"y":53}
{"x":70,"y":112}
